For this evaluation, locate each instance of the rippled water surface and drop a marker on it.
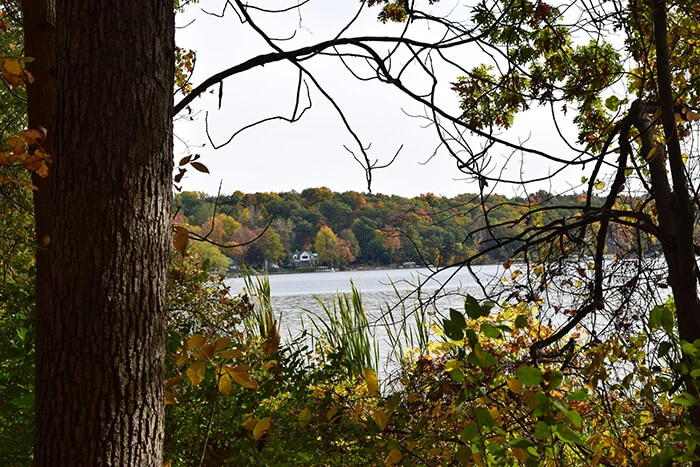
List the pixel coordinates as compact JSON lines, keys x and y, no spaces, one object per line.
{"x":293,"y":293}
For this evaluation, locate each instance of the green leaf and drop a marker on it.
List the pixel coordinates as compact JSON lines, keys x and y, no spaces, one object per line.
{"x":470,"y":432}
{"x":574,"y":417}
{"x":479,"y":357}
{"x":483,"y":417}
{"x":458,"y":319}
{"x":661,"y":317}
{"x":529,"y":376}
{"x":580,"y":395}
{"x":521,"y":443}
{"x":542,"y":404}
{"x":521,"y":321}
{"x":542,"y":431}
{"x":555,"y":379}
{"x":566,"y":435}
{"x":457,"y":375}
{"x":664,"y":348}
{"x":612,"y":103}
{"x":474,"y":310}
{"x":490,"y":331}
{"x":452,"y":331}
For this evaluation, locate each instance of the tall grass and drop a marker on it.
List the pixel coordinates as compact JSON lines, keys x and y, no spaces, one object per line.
{"x":262,"y":321}
{"x":343,"y":332}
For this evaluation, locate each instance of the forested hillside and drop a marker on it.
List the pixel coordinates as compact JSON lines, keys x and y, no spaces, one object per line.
{"x":356,"y":228}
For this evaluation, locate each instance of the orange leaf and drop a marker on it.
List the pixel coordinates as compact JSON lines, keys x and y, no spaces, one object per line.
{"x":182,"y":236}
{"x":13,"y":67}
{"x":17,"y":145}
{"x":170,"y":398}
{"x":33,"y":137}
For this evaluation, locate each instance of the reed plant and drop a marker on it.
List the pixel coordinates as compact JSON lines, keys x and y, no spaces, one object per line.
{"x":262,"y":322}
{"x":341,"y":331}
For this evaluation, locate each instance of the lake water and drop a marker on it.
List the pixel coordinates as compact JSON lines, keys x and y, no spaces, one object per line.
{"x":293,"y":294}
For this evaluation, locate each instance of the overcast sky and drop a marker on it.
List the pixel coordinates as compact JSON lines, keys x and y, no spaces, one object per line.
{"x":278,"y":156}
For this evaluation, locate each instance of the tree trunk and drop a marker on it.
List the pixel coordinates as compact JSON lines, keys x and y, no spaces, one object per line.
{"x":103,"y":221}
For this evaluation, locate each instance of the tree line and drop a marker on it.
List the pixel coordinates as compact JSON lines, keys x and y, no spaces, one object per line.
{"x":354,"y":228}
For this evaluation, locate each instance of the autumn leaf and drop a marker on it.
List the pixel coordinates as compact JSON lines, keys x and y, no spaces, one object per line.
{"x":272,"y":343}
{"x":231,"y":353}
{"x":196,"y":341}
{"x":200,"y":167}
{"x":182,"y":236}
{"x":394,"y":457}
{"x":221,"y":342}
{"x":12,"y":66}
{"x":225,"y":384}
{"x":170,"y":398}
{"x":514,"y":385}
{"x":33,"y":137}
{"x":196,"y":372}
{"x":262,"y":427}
{"x":372,"y":383}
{"x":206,"y":352}
{"x":241,"y":376}
{"x":304,"y":417}
{"x":269,"y":364}
{"x":381,"y":419}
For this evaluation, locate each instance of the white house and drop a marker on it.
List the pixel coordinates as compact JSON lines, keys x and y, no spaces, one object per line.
{"x":305,"y":258}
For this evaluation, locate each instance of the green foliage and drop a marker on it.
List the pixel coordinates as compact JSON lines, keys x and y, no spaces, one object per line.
{"x":373,"y":228}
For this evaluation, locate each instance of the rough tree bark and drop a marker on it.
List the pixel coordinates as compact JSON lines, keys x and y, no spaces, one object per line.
{"x":103,"y":223}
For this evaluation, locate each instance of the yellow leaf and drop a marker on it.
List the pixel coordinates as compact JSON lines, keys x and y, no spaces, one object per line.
{"x":372,"y":383}
{"x":514,"y":385}
{"x":394,"y":457}
{"x":13,"y":67}
{"x":196,"y":341}
{"x":182,"y":359}
{"x":221,"y":343}
{"x":170,"y":398}
{"x":182,"y":236}
{"x":261,"y":427}
{"x":172,"y":381}
{"x":232,"y":353}
{"x":304,"y":417}
{"x":381,"y":419}
{"x":207,"y":352}
{"x":269,"y":364}
{"x":652,"y":152}
{"x":249,"y":422}
{"x":196,"y":373}
{"x":331,"y":413}
{"x":225,"y":384}
{"x":243,"y":379}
